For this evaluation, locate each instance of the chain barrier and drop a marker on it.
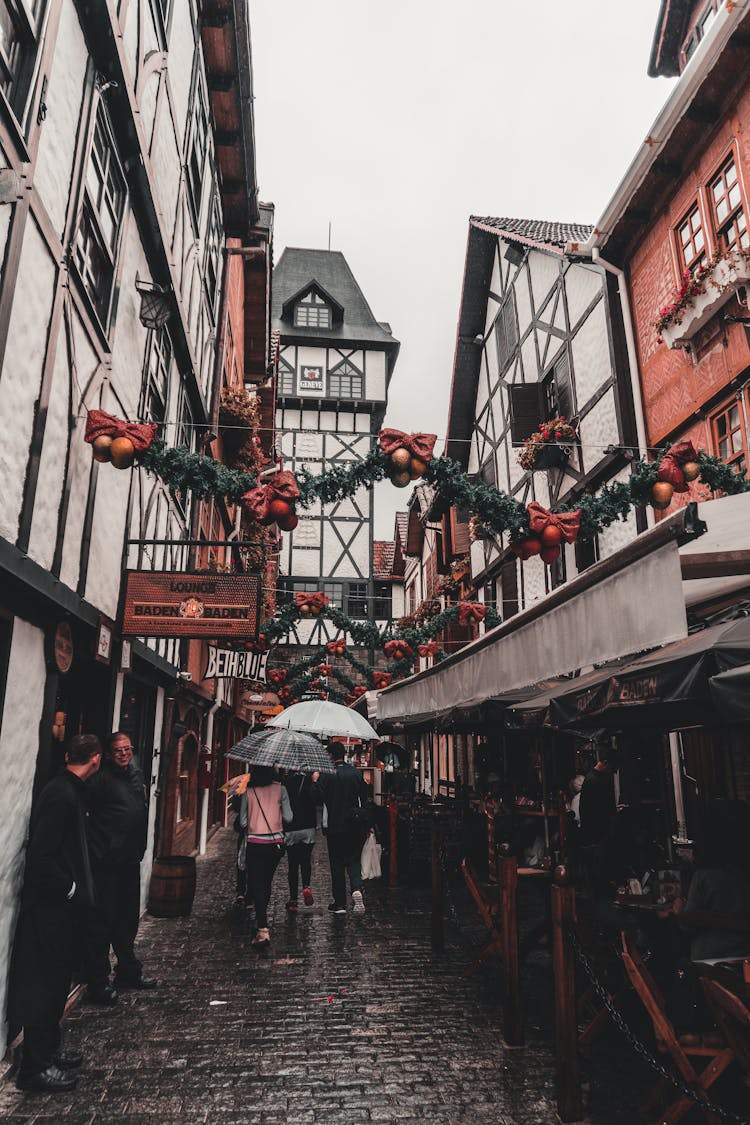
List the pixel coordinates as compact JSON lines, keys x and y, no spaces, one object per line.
{"x":638,"y":1046}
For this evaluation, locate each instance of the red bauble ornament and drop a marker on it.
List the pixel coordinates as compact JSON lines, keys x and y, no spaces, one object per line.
{"x":549,"y":554}
{"x":533,"y":545}
{"x":551,"y":536}
{"x":289,"y":522}
{"x":279,"y":510}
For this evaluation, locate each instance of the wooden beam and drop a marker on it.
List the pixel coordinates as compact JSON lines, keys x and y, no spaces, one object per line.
{"x":715,"y":564}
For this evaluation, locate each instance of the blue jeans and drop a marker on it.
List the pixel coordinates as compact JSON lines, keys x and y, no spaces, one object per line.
{"x":344,"y":852}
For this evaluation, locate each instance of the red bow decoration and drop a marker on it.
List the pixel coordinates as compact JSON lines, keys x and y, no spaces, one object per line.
{"x":277,"y":676}
{"x":101,"y":424}
{"x":429,"y":649}
{"x":670,"y":466}
{"x":567,"y":523}
{"x":381,"y":679}
{"x":318,"y":600}
{"x":325,"y":669}
{"x":398,"y":650}
{"x":471,"y":611}
{"x":333,"y":645}
{"x":281,"y":486}
{"x":419,"y":445}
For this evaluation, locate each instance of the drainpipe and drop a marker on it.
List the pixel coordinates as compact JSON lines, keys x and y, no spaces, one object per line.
{"x":205,"y":793}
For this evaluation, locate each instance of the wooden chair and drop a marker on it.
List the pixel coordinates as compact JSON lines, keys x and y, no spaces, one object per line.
{"x":668,"y":1042}
{"x":733,"y":1020}
{"x":489,"y":904}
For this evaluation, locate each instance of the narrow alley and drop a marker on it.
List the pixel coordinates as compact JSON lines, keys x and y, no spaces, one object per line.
{"x":348,"y":1020}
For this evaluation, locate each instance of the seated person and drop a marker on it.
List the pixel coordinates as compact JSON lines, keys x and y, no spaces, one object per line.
{"x":721,"y":883}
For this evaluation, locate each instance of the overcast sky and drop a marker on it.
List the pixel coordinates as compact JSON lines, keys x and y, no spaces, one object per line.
{"x":395,"y":120}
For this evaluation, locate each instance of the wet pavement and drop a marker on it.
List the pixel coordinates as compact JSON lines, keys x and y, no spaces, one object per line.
{"x":347,"y":1019}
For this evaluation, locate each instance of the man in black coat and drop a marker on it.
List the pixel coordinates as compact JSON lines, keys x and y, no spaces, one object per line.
{"x":57,"y":892}
{"x":346,"y":800}
{"x":117,"y":830}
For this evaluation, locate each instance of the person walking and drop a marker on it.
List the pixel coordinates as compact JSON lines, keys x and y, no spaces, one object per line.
{"x":58,"y":889}
{"x":346,"y":799}
{"x":299,"y":837}
{"x":267,"y":806}
{"x":117,"y":830}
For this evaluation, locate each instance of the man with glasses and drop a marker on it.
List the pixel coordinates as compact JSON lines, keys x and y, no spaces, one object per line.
{"x":117,"y":829}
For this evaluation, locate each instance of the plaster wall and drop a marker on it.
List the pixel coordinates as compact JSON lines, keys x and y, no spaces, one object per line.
{"x":19,"y":736}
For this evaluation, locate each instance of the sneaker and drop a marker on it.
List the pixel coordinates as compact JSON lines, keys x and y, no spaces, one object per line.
{"x":262,"y":939}
{"x":292,"y":906}
{"x":359,"y":902}
{"x":307,"y":895}
{"x":334,"y":909}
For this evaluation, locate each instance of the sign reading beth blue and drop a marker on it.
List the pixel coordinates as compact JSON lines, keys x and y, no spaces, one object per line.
{"x":230,"y":664}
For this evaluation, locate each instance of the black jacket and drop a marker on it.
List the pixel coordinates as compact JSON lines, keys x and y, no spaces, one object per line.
{"x":342,"y":791}
{"x":57,"y":854}
{"x":597,"y":808}
{"x":118,"y":815}
{"x":302,"y":799}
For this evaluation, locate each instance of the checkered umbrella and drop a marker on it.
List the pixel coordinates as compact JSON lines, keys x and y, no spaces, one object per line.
{"x":288,"y":749}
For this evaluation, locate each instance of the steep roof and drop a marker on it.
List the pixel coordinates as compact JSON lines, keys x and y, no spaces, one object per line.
{"x":535,"y":232}
{"x":298,"y":269}
{"x":383,"y":554}
{"x":402,"y":524}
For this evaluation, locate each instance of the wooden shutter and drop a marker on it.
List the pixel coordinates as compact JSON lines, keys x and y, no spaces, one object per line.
{"x":460,"y":530}
{"x":563,"y":387}
{"x":525,"y":410}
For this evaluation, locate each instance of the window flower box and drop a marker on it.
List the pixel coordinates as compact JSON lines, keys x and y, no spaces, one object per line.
{"x":697,"y":302}
{"x":550,"y":447}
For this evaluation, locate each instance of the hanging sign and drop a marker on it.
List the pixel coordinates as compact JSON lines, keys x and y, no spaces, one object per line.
{"x":230,"y":664}
{"x":311,"y":380}
{"x":188,"y":604}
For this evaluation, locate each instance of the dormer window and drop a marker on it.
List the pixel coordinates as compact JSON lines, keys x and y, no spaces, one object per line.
{"x":312,"y":312}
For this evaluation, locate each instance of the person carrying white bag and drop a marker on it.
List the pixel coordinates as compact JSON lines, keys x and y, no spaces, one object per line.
{"x":370,"y":860}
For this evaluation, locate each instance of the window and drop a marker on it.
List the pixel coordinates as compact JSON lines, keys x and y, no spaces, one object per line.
{"x":184,"y":429}
{"x":730,"y":435}
{"x":98,"y":236}
{"x":286,"y":379}
{"x":19,"y":31}
{"x":586,"y":553}
{"x":488,"y":472}
{"x":345,"y":382}
{"x":383,"y":608}
{"x":557,"y":390}
{"x":312,"y":312}
{"x":197,"y":151}
{"x":691,"y":240}
{"x":729,"y":216}
{"x":213,"y":252}
{"x":356,"y":599}
{"x":701,"y":27}
{"x":158,"y":366}
{"x":289,"y":587}
{"x":509,"y":583}
{"x":506,"y":331}
{"x":489,"y":593}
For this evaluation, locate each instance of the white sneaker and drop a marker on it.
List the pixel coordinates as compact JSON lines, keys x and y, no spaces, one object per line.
{"x":359,"y":902}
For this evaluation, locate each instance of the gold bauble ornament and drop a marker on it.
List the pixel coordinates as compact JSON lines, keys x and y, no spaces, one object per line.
{"x":305,"y":611}
{"x":122,"y":452}
{"x":401,"y":479}
{"x":401,"y":458}
{"x":691,"y":470}
{"x":661,"y":495}
{"x":418,"y":468}
{"x":100,"y":447}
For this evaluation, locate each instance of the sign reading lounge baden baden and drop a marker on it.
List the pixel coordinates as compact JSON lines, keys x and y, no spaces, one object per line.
{"x":192,"y":605}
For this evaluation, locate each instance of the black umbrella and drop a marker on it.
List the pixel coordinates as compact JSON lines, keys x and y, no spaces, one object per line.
{"x":402,"y":755}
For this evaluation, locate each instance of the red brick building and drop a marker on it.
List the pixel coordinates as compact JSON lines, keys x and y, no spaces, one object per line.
{"x":681,"y":214}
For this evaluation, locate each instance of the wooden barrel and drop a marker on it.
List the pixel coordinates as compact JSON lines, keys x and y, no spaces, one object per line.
{"x":172,"y":887}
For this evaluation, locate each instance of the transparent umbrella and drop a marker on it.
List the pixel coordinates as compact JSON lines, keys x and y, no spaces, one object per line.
{"x":287,"y":749}
{"x":326,"y":719}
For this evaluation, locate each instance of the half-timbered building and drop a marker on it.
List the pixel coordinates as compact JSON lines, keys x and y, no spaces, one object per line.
{"x":109,"y":201}
{"x":335,"y":364}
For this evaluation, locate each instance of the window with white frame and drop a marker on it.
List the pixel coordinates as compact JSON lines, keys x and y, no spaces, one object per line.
{"x":213,"y":252}
{"x":158,"y":369}
{"x":20,"y":22}
{"x":691,"y":238}
{"x":100,"y":221}
{"x":730,"y":220}
{"x":345,"y":381}
{"x":312,"y":312}
{"x":286,"y":379}
{"x":198,"y":146}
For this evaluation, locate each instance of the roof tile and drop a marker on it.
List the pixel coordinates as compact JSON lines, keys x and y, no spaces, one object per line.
{"x":536,"y":232}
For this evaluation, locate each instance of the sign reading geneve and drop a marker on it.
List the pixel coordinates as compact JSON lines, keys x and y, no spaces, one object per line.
{"x":229,"y":664}
{"x":190,"y":604}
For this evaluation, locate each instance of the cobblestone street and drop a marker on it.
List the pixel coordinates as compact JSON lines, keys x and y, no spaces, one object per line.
{"x":347,"y":1020}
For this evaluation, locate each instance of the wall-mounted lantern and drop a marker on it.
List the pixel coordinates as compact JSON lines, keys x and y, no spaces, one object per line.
{"x":155,"y":303}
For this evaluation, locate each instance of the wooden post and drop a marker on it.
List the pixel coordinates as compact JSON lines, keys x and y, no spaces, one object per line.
{"x":438,"y":933}
{"x":569,"y":1105}
{"x":393,"y":842}
{"x":489,"y":812}
{"x":507,"y":871}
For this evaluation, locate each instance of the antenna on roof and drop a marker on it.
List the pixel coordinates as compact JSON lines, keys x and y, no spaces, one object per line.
{"x":329,"y":235}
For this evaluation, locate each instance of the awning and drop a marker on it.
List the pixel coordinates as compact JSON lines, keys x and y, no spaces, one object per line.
{"x":730,"y":692}
{"x":592,"y":619}
{"x":669,"y":688}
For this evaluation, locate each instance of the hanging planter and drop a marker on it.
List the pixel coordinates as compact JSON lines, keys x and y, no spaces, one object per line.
{"x":701,"y":295}
{"x":549,"y":447}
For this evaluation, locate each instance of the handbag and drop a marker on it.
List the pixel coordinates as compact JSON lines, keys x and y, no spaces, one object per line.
{"x":370,"y":858}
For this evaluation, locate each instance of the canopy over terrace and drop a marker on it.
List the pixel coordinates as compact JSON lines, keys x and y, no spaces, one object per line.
{"x":570,"y":629}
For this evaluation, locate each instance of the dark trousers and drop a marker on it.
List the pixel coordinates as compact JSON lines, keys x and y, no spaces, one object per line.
{"x":262,"y":861}
{"x":41,"y":972}
{"x":344,"y":852}
{"x":114,"y":922}
{"x":299,"y":857}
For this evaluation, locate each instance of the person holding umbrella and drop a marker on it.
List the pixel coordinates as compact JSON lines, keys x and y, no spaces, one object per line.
{"x":346,"y":799}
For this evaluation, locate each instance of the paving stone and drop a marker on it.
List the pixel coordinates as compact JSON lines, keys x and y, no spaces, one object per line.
{"x":346,"y":1021}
